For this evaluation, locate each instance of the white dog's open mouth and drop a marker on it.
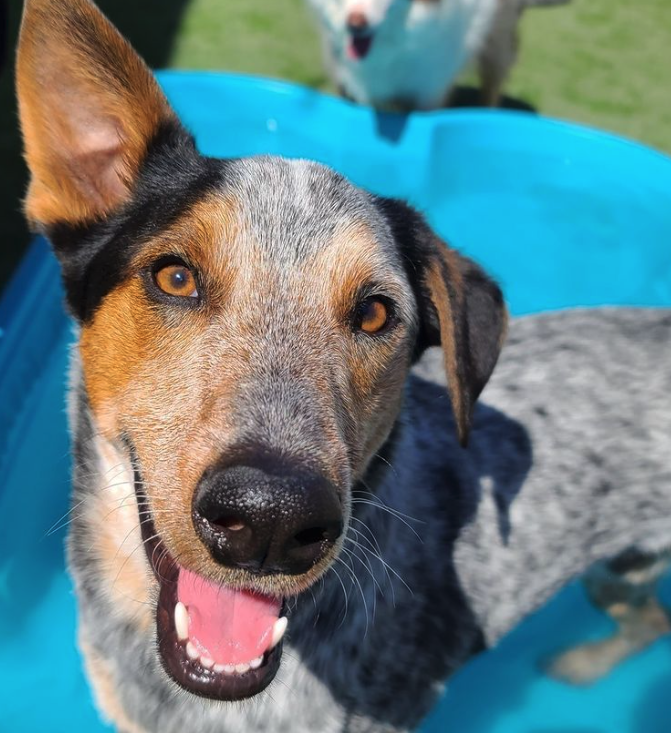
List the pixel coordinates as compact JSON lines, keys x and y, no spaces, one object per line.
{"x":359,"y":45}
{"x":214,"y":641}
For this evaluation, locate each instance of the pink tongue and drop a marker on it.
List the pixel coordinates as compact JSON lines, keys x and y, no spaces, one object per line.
{"x":228,"y":626}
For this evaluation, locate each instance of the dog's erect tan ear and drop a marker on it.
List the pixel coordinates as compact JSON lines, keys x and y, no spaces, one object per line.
{"x":460,"y":308}
{"x":89,"y":108}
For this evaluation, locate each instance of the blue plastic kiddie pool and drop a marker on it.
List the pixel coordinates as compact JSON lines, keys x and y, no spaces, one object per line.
{"x":561,"y":215}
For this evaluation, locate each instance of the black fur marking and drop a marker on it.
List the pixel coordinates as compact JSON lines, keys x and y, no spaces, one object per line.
{"x":479,"y":312}
{"x":95,"y":257}
{"x":410,"y":231}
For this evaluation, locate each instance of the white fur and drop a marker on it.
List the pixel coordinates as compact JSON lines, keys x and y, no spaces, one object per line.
{"x":418,"y":48}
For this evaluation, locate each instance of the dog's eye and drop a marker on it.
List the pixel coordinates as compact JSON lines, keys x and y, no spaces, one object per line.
{"x":176,"y":279}
{"x":372,"y":315}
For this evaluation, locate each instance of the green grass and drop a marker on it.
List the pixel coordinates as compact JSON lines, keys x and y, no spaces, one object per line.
{"x":605,"y":63}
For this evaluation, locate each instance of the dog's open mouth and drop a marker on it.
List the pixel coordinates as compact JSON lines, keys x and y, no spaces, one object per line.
{"x":214,"y":641}
{"x":359,"y":45}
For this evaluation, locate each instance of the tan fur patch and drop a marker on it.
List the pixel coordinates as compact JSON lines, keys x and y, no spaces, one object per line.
{"x":146,"y":375}
{"x":116,"y":540}
{"x":436,"y":275}
{"x":375,"y":374}
{"x":88,"y":107}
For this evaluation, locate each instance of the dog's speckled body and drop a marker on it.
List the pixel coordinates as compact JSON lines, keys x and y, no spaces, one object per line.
{"x":246,"y":334}
{"x":568,"y":462}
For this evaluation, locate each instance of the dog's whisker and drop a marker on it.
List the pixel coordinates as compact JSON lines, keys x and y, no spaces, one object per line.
{"x":366,"y":559}
{"x":377,"y":556}
{"x":391,"y":512}
{"x":56,"y":526}
{"x":376,"y":551}
{"x":365,"y":562}
{"x":375,"y":498}
{"x":386,"y":564}
{"x":356,"y":581}
{"x":384,"y":460}
{"x":344,"y":590}
{"x":372,"y":541}
{"x":135,"y":549}
{"x":353,"y":555}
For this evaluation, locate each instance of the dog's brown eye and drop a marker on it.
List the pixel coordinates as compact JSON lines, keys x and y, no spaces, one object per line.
{"x":177,"y":280}
{"x":372,"y":315}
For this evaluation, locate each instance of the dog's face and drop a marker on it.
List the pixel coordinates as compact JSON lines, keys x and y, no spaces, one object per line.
{"x":246,"y":330}
{"x":354,"y":25}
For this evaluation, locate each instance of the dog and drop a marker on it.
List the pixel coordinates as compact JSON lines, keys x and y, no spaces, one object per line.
{"x":274,"y":382}
{"x":403,"y":55}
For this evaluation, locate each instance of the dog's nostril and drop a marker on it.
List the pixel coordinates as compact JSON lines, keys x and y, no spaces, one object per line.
{"x":316,"y":536}
{"x":229,"y":522}
{"x":357,"y":22}
{"x":310,"y":536}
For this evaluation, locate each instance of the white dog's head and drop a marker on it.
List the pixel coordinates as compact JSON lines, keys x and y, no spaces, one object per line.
{"x":355,"y":23}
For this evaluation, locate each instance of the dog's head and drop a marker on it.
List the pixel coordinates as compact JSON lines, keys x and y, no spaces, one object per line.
{"x":246,"y":329}
{"x":354,"y":26}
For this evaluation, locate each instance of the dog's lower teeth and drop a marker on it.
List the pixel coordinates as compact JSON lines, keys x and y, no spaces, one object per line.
{"x":181,"y":621}
{"x":241,"y":668}
{"x":191,"y":651}
{"x":207,"y":662}
{"x":256,"y":663}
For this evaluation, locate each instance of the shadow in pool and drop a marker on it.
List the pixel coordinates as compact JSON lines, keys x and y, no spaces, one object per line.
{"x":455,"y":624}
{"x":391,"y":126}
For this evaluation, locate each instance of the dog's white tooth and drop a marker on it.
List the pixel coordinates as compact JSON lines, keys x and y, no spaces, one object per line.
{"x":229,"y":669}
{"x":181,"y":621}
{"x":256,"y":663}
{"x":191,"y":651}
{"x":241,"y":668}
{"x":278,"y":631}
{"x":219,"y":668}
{"x":207,"y":662}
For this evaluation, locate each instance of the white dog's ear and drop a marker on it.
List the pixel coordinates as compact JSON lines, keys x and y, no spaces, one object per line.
{"x":460,"y":308}
{"x":89,"y":109}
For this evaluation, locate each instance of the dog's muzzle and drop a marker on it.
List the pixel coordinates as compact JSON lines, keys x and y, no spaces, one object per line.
{"x":262,"y":519}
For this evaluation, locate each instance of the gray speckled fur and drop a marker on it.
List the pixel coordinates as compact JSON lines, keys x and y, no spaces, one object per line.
{"x":569,"y":461}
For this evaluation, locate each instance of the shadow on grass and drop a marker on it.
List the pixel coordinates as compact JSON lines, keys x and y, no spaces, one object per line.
{"x":150,"y":26}
{"x":466,"y":96}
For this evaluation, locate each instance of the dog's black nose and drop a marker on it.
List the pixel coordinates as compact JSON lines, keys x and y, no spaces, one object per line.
{"x":357,"y":23}
{"x":266,"y":519}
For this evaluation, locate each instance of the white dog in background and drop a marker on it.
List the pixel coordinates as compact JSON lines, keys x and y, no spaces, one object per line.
{"x":406,"y":54}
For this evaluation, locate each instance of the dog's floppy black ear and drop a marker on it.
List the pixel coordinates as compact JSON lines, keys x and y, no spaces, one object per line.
{"x":89,"y":108}
{"x":460,"y":308}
